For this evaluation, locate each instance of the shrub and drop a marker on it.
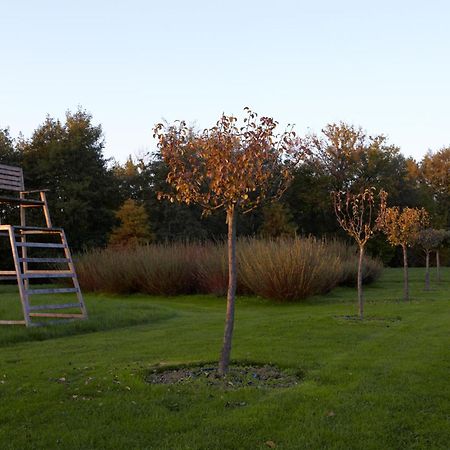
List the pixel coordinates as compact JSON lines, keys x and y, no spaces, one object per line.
{"x":348,"y":255}
{"x":167,"y":269}
{"x":286,"y":269}
{"x":212,"y":270}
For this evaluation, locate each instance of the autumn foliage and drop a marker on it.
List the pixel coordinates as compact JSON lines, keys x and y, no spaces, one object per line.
{"x":402,"y":227}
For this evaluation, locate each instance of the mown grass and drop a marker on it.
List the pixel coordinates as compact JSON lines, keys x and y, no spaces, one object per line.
{"x":377,"y":384}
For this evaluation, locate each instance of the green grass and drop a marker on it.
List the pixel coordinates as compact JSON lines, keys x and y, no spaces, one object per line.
{"x":377,"y":384}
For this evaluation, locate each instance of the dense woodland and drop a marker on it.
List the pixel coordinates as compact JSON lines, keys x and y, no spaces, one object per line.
{"x":90,"y":194}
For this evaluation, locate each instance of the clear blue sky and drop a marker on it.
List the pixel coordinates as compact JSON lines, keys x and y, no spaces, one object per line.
{"x":384,"y":65}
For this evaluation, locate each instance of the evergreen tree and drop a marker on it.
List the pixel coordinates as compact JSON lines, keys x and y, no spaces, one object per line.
{"x":68,"y":160}
{"x":134,"y":227}
{"x":277,"y":221}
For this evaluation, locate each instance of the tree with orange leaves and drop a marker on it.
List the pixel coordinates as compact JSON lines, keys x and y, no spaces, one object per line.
{"x":227,"y":167}
{"x":402,"y":228}
{"x":355,"y":214}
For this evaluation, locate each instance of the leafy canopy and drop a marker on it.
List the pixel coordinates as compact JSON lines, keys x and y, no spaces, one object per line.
{"x":226,"y":166}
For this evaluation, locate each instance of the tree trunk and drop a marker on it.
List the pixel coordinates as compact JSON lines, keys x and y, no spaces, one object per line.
{"x":231,"y":295}
{"x":405,"y":273}
{"x":360,"y":286}
{"x":427,"y":271}
{"x":438,"y":266}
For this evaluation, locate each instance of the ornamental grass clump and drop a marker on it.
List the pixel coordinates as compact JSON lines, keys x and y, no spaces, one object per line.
{"x":348,"y":254}
{"x":168,"y":269}
{"x":108,"y":270}
{"x":285,"y":269}
{"x":288,"y":269}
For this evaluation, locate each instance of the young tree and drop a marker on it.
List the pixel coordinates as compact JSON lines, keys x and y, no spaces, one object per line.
{"x":401,"y":227}
{"x":230,"y":168}
{"x":429,"y":239}
{"x":444,"y":238}
{"x":355,"y":214}
{"x":134,"y":227}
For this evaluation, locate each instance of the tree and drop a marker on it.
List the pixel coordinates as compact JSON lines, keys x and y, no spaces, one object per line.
{"x":429,"y":239}
{"x":435,"y":172}
{"x":277,"y":221}
{"x":8,"y":152}
{"x":355,"y":215}
{"x":402,"y":227}
{"x":67,"y":158}
{"x":444,"y":238}
{"x":134,"y":227}
{"x":229,"y":168}
{"x":345,"y":158}
{"x":8,"y":156}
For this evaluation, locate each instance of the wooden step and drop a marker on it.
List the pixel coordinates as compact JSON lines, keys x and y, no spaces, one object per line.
{"x":8,"y":278}
{"x":51,"y":291}
{"x":45,"y":260}
{"x":48,"y":274}
{"x":40,"y":245}
{"x":12,"y":322}
{"x":60,"y":315}
{"x":59,"y":306}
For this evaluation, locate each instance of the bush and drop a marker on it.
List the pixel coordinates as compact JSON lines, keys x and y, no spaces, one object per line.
{"x":348,"y":255}
{"x":285,"y":269}
{"x":165,"y":269}
{"x":288,"y":269}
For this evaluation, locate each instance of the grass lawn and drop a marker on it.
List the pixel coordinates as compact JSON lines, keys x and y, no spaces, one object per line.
{"x":378,"y":384}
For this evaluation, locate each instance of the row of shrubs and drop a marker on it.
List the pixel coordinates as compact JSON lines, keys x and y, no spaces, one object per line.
{"x":285,"y":269}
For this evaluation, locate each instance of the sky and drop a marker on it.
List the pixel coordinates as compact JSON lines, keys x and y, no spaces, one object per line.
{"x":381,"y":65}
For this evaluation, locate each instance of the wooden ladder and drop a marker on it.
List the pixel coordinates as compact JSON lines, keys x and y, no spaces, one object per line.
{"x":23,"y":275}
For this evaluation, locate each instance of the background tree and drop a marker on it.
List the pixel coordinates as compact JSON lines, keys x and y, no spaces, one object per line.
{"x":401,"y":228}
{"x":429,"y":239}
{"x":355,"y":214}
{"x":134,"y":227}
{"x":444,"y":239}
{"x":8,"y":156}
{"x":67,"y":158}
{"x":277,"y":221}
{"x":345,"y":158}
{"x":435,"y":173}
{"x":230,"y":168}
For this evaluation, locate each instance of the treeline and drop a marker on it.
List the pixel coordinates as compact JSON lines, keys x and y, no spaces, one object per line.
{"x":87,"y":190}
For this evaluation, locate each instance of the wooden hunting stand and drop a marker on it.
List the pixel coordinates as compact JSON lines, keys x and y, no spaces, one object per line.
{"x":22,"y":240}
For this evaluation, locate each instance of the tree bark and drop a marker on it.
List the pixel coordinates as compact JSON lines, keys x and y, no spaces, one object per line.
{"x":438,"y":266}
{"x":231,"y":295}
{"x":405,"y":273}
{"x":360,"y":286}
{"x":427,"y":271}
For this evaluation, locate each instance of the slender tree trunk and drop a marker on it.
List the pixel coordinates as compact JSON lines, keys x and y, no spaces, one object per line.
{"x":438,"y":266}
{"x":427,"y":271}
{"x":405,"y":273}
{"x":231,"y":296}
{"x":360,"y":286}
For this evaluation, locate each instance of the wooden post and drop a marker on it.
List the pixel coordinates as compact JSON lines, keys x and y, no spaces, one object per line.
{"x":46,"y":210}
{"x":22,"y":289}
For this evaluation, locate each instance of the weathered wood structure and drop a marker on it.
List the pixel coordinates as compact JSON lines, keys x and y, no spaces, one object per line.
{"x":23,"y":240}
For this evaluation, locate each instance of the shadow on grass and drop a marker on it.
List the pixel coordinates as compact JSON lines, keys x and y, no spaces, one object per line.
{"x":105,"y":313}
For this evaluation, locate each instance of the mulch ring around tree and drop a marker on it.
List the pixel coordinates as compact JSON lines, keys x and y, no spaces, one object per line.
{"x":238,"y":376}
